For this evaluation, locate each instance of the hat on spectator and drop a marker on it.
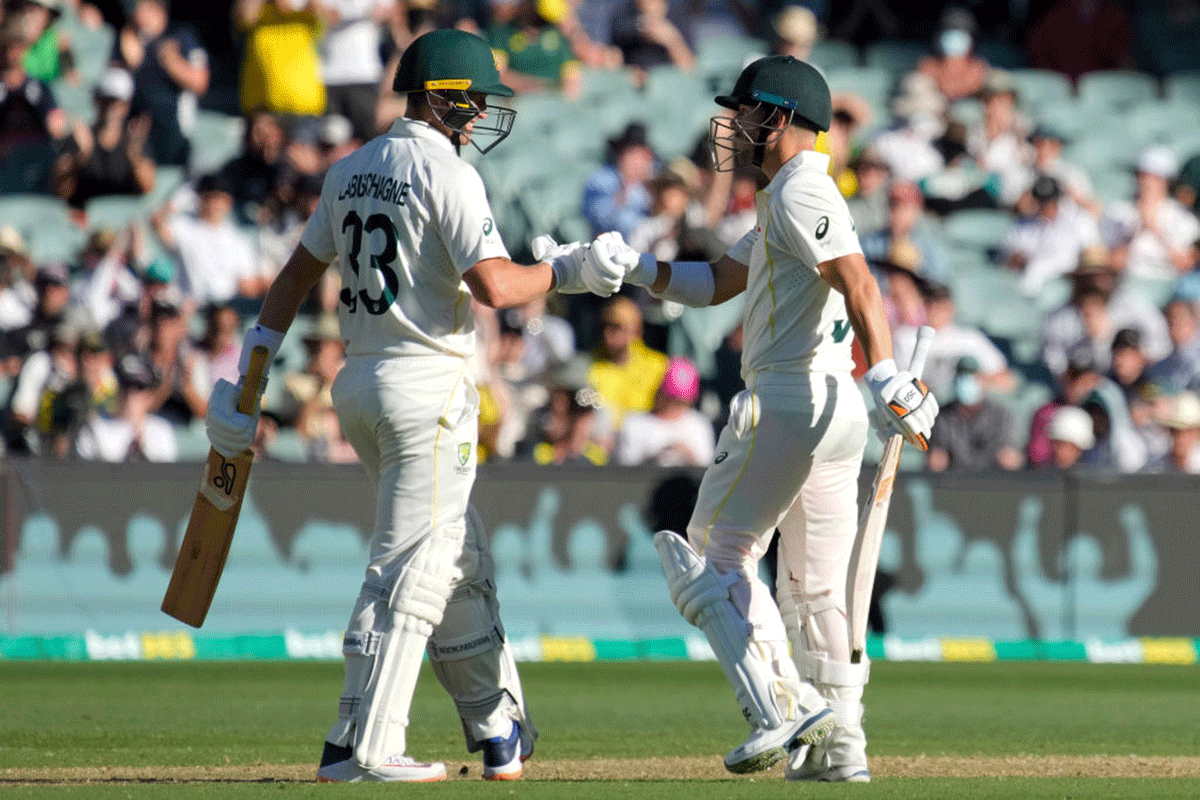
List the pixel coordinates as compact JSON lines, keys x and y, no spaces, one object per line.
{"x":682,"y":381}
{"x":1092,"y":260}
{"x":1182,"y":412}
{"x":1159,"y":160}
{"x":553,"y":11}
{"x":334,"y":130}
{"x":214,"y":182}
{"x":1074,"y":425}
{"x":1044,"y":131}
{"x":116,"y":84}
{"x":797,"y":25}
{"x":634,"y":135}
{"x":53,"y":272}
{"x":11,"y":241}
{"x":1127,"y":338}
{"x":1045,"y":188}
{"x":160,"y":270}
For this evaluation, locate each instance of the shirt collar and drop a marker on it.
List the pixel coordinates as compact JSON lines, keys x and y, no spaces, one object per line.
{"x":407,"y":128}
{"x":807,"y":159}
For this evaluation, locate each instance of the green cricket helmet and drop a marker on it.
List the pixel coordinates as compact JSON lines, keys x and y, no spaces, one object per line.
{"x":783,"y":82}
{"x":449,"y":65}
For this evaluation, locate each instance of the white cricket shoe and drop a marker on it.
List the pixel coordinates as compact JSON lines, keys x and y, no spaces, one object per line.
{"x":504,"y":756}
{"x":396,"y":768}
{"x":812,"y":764}
{"x":768,"y":746}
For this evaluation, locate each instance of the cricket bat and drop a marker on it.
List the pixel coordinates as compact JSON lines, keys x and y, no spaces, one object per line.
{"x":214,"y":517}
{"x":864,"y":558}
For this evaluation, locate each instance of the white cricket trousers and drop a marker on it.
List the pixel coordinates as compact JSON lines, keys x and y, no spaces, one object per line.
{"x":788,"y":458}
{"x":413,"y":421}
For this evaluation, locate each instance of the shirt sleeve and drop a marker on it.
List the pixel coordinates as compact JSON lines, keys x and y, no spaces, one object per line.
{"x":318,"y":237}
{"x":812,"y":222}
{"x":467,"y":226}
{"x":744,"y":248}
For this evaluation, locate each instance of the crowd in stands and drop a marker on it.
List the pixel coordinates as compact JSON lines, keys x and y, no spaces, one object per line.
{"x":1025,"y":178}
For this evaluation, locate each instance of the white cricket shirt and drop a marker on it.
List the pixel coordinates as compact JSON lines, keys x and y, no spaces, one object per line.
{"x":794,"y":320}
{"x":406,"y":217}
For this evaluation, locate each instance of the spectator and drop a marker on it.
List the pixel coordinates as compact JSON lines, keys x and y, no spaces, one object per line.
{"x":280,"y":228}
{"x":952,"y":343}
{"x":1181,"y":418}
{"x":673,"y":433}
{"x":1078,"y":36}
{"x":869,"y":205}
{"x":335,"y":140}
{"x":131,"y":330}
{"x":258,"y":172}
{"x":106,"y":282}
{"x":740,"y":212}
{"x":53,"y":300}
{"x":47,"y":371}
{"x":1070,"y":436}
{"x":1153,"y":236}
{"x":31,"y":124}
{"x":908,"y":240}
{"x":350,"y":60}
{"x":1180,"y":369}
{"x":851,"y":114}
{"x":217,"y":258}
{"x":1077,"y":380}
{"x":1064,"y":327}
{"x":308,"y":398}
{"x":999,"y":141}
{"x":653,"y":33}
{"x":170,"y":71}
{"x":179,"y":395}
{"x":1119,"y":446}
{"x":617,"y":197}
{"x":907,"y":146}
{"x":1048,"y":244}
{"x":1187,"y":184}
{"x":49,"y":56}
{"x":132,"y":432}
{"x":954,"y":67}
{"x":534,"y":52}
{"x":1127,"y":367}
{"x":625,"y":372}
{"x":795,"y":31}
{"x":563,"y":433}
{"x":1047,"y":146}
{"x":281,"y":70}
{"x":973,"y":432}
{"x":219,"y":347}
{"x":675,"y":228}
{"x":17,"y":295}
{"x":114,"y":157}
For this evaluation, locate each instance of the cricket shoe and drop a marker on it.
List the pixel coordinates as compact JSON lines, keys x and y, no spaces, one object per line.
{"x":504,"y":756}
{"x":768,"y":746}
{"x":812,"y":764}
{"x":395,"y":768}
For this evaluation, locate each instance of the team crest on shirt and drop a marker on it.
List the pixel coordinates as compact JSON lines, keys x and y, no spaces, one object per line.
{"x":464,"y":453}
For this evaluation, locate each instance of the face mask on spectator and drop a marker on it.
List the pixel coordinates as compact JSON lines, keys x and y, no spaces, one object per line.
{"x":954,"y":42}
{"x":968,"y":390}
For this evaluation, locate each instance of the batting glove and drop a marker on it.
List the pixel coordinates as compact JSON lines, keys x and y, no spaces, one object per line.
{"x":229,"y":431}
{"x":903,"y":403}
{"x":641,"y":269}
{"x":565,"y":259}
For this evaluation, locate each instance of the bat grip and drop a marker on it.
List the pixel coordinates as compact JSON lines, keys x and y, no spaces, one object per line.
{"x":254,"y":373}
{"x":925,"y":336}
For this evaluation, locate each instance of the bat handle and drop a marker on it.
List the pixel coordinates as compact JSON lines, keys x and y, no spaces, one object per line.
{"x":925,"y":336}
{"x":258,"y":363}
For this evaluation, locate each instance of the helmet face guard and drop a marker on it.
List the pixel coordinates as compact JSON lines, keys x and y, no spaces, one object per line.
{"x":455,"y":109}
{"x":739,"y":141}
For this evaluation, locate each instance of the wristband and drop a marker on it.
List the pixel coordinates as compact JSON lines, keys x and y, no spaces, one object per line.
{"x":256,"y":336}
{"x":691,"y":284}
{"x":881,"y":373}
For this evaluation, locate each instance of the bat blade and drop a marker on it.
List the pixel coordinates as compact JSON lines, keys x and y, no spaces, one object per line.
{"x":207,"y":539}
{"x":213,"y":520}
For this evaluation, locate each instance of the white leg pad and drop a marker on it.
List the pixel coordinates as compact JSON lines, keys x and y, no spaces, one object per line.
{"x":843,"y":755}
{"x":764,"y":679}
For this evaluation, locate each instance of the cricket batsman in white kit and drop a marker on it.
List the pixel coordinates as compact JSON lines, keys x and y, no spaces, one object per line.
{"x":415,"y":239}
{"x":790,"y":455}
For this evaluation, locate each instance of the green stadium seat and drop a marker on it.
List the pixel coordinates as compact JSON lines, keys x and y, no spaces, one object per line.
{"x":1182,"y":87}
{"x":598,"y":84}
{"x":873,"y":84}
{"x":1116,"y":88}
{"x":75,"y":100}
{"x":894,"y":55}
{"x":1001,"y":54}
{"x":289,"y":445}
{"x":1037,"y":88}
{"x":1071,"y":118}
{"x":216,"y":138}
{"x":724,"y":51}
{"x":1105,"y":150}
{"x":834,"y":54}
{"x":977,"y":228}
{"x":45,"y":224}
{"x":1155,"y":122}
{"x":1114,"y":184}
{"x":92,"y":50}
{"x":191,"y":442}
{"x":114,"y":211}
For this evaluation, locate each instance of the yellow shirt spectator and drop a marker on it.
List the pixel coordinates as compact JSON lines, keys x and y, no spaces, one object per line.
{"x":281,"y":70}
{"x":624,"y":371}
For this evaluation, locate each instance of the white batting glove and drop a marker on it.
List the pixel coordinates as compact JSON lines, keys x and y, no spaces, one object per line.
{"x":229,"y":431}
{"x":565,"y":259}
{"x":641,"y":269}
{"x":902,"y":402}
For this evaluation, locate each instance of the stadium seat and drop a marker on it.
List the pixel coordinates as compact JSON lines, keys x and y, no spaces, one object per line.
{"x":1113,"y":184}
{"x":191,"y":442}
{"x":1071,"y":118}
{"x":598,"y":84}
{"x":724,"y":51}
{"x":894,"y":55}
{"x":1037,"y":88}
{"x":1182,"y":87}
{"x":834,"y":54}
{"x":289,"y":445}
{"x":873,"y":84}
{"x":114,"y":211}
{"x":670,"y":90}
{"x":1107,"y":149}
{"x":1154,"y":122}
{"x":45,"y":223}
{"x":978,"y":228}
{"x":1001,"y":54}
{"x":967,"y":111}
{"x":91,"y":49}
{"x":75,"y":100}
{"x":216,"y":138}
{"x":1116,"y":88}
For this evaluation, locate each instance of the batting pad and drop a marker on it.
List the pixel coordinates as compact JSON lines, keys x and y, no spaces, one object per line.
{"x":764,"y":679}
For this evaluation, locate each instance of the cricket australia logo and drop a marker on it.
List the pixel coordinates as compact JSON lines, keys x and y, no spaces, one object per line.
{"x":464,"y":456}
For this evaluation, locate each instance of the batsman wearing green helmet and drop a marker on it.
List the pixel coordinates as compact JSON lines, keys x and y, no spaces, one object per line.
{"x":415,"y":241}
{"x":791,"y":453}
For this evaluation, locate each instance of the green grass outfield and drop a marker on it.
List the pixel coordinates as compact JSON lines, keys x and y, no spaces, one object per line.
{"x":637,"y":730}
